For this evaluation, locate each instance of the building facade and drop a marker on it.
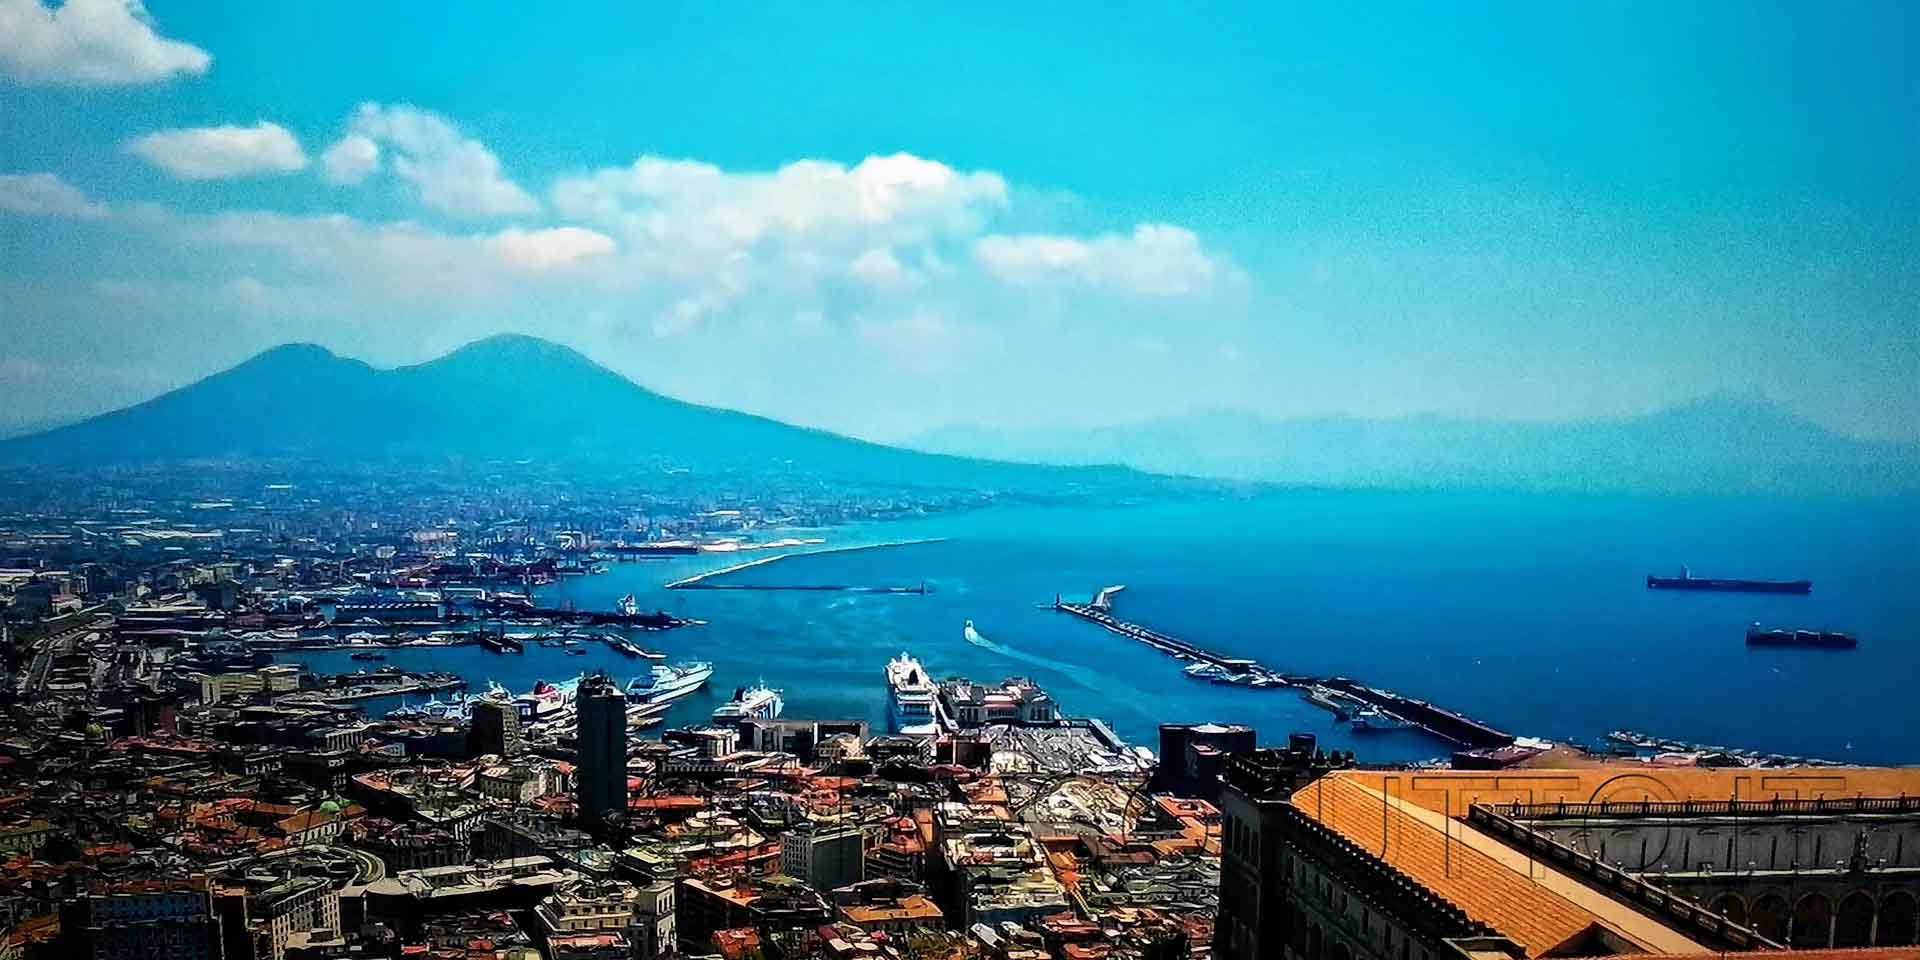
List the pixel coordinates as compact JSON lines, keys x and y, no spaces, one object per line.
{"x":601,"y":781}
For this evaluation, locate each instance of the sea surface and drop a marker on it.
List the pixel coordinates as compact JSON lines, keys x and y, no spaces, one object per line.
{"x":1526,"y":611}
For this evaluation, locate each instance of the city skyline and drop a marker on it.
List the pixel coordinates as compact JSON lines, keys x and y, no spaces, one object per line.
{"x":882,"y":224}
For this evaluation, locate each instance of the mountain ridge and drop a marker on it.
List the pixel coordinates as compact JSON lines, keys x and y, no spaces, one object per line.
{"x":508,"y":397}
{"x":512,"y":397}
{"x":1714,"y":443}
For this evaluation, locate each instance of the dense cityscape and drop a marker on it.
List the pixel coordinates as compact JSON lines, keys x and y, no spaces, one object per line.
{"x":916,"y":481}
{"x":173,"y":788}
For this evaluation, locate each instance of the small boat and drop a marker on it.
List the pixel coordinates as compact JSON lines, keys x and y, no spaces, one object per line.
{"x":368,"y":655}
{"x":973,"y":636}
{"x":1327,"y":700}
{"x":1371,"y":719}
{"x":576,"y":652}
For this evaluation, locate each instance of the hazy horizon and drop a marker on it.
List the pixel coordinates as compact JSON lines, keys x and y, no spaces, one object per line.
{"x":886,"y":222}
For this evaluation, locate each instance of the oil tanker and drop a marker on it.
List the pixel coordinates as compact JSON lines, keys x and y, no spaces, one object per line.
{"x":1687,"y":581}
{"x":1822,"y":639}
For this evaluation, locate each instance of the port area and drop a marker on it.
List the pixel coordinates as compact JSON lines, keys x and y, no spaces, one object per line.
{"x":705,"y":581}
{"x":1647,"y":744}
{"x":341,"y":690}
{"x":1344,"y":697}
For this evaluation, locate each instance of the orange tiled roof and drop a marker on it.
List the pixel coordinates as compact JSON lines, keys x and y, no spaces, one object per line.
{"x":1351,"y":803}
{"x":1484,"y":889}
{"x":1451,"y":791}
{"x":1836,"y":953}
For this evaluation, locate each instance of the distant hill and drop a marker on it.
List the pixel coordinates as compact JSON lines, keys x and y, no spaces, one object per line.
{"x":506,"y":398}
{"x":1714,"y":444}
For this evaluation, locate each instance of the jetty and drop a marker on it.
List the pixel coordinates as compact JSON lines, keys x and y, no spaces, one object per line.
{"x":1441,"y":723}
{"x":700,"y":581}
{"x":1165,"y":643}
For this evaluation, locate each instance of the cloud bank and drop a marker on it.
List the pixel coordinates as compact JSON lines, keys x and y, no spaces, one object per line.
{"x":90,"y":43}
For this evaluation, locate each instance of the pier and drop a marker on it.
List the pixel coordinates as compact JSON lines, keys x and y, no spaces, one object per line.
{"x":699,"y":581}
{"x":820,"y":587}
{"x":1436,"y":721}
{"x":1164,"y":643}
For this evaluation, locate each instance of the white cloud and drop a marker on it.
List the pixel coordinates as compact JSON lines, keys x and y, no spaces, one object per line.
{"x":1154,"y":260}
{"x":879,"y":269}
{"x":350,"y":160}
{"x":90,"y":43}
{"x":450,"y":172}
{"x":697,"y":214}
{"x":390,"y":262}
{"x":222,"y":153}
{"x":46,"y":195}
{"x":552,"y":249}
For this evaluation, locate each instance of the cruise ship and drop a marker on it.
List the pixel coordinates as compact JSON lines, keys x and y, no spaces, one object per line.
{"x":913,"y":710}
{"x":750,"y":703}
{"x":545,"y":700}
{"x":670,"y":681}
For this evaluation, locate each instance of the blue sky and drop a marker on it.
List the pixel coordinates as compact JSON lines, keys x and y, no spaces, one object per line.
{"x":1071,"y":214}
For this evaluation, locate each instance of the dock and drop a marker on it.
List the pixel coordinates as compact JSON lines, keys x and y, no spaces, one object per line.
{"x":817,"y":587}
{"x":1441,"y":723}
{"x":1171,"y":645}
{"x":699,"y":580}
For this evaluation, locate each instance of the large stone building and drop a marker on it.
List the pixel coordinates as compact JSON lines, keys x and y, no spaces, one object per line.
{"x":1594,"y":861}
{"x":826,"y":857}
{"x":141,"y":920}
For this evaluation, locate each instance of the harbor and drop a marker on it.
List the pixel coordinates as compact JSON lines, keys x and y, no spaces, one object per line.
{"x":1641,"y":743}
{"x":1367,"y":708}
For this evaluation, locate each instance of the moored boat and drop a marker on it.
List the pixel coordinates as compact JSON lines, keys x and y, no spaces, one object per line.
{"x":911,"y":708}
{"x":758,"y":702}
{"x":668,"y":682}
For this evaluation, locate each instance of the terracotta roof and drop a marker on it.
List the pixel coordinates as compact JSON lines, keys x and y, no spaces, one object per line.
{"x":912,"y":907}
{"x":1837,"y":953}
{"x":1400,"y":817}
{"x":1485,"y":889}
{"x":1451,"y":791}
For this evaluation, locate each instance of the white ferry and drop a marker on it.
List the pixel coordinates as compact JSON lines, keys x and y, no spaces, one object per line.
{"x":751,"y":703}
{"x":670,"y":681}
{"x":545,"y":700}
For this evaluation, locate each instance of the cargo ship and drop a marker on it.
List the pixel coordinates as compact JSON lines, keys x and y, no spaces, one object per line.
{"x":1687,"y":581}
{"x":1820,"y":639}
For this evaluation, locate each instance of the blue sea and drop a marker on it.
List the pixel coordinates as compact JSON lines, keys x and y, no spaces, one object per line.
{"x":1527,"y":611}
